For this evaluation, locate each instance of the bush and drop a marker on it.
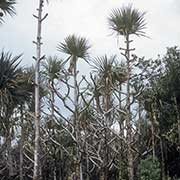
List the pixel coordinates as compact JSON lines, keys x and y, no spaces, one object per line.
{"x":149,"y":169}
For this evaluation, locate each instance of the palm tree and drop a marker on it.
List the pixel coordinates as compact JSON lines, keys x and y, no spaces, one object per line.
{"x":53,"y":68}
{"x":109,"y":74}
{"x":52,"y":71}
{"x":108,"y":70}
{"x":13,"y":93}
{"x":7,"y":8}
{"x":8,"y":81}
{"x":125,"y":22}
{"x":76,"y":47}
{"x":8,"y":98}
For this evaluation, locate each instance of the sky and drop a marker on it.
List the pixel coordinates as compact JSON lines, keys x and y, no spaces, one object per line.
{"x":88,"y":18}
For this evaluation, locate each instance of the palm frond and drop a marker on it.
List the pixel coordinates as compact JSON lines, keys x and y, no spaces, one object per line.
{"x":107,"y":69}
{"x":127,"y":20}
{"x":9,"y":72}
{"x":103,"y":65}
{"x":53,"y":68}
{"x":75,"y":46}
{"x":7,"y":8}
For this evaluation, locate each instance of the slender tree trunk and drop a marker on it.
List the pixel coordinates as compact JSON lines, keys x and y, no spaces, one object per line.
{"x":54,"y":174}
{"x":36,"y":173}
{"x":87,"y":167}
{"x":178,"y":119}
{"x":121,"y":133}
{"x":153,"y":131}
{"x":52,"y":101}
{"x":136,"y":172}
{"x":102,"y":175}
{"x":9,"y":152}
{"x":107,"y":103}
{"x":87,"y":157}
{"x":51,"y":84}
{"x":128,"y":116}
{"x":78,"y":168}
{"x":21,"y":144}
{"x":162,"y":160}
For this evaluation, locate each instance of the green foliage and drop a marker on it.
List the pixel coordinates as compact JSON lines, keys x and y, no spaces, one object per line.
{"x":126,"y":21}
{"x":53,"y":68}
{"x":75,"y":46}
{"x":7,"y":8}
{"x":164,"y":94}
{"x":149,"y":169}
{"x":9,"y":72}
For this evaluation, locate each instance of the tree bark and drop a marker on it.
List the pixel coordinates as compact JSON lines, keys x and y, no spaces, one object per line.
{"x":21,"y":144}
{"x":153,"y":131}
{"x":78,"y":164}
{"x":36,"y":173}
{"x":163,"y":176}
{"x":128,"y":116}
{"x":122,"y":134}
{"x":9,"y":153}
{"x":178,"y":119}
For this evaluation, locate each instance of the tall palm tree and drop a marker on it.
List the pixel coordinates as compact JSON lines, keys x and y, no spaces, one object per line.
{"x":125,"y":22}
{"x":76,"y":47}
{"x":13,"y":93}
{"x":7,"y":8}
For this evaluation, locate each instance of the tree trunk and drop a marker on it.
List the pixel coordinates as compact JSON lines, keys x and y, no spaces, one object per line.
{"x":178,"y":119}
{"x":9,"y":153}
{"x":78,"y":164}
{"x":163,"y":176}
{"x":153,"y":131}
{"x":21,"y":144}
{"x":128,"y":116}
{"x":36,"y":173}
{"x":102,"y":175}
{"x":122,"y":134}
{"x":87,"y":157}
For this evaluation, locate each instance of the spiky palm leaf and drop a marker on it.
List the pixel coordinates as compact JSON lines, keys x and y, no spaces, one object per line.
{"x":13,"y":90}
{"x":75,"y":46}
{"x":109,"y":70}
{"x":8,"y":75}
{"x":53,"y":68}
{"x":7,"y":8}
{"x":104,"y":66}
{"x":127,"y":21}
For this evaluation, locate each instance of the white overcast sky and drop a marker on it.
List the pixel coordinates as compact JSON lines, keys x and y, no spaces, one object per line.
{"x":89,"y":18}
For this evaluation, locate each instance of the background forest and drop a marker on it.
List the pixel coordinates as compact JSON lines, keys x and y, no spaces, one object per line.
{"x":119,"y":121}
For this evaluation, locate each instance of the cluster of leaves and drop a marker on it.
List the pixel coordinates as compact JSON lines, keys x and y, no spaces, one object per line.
{"x":149,"y":169}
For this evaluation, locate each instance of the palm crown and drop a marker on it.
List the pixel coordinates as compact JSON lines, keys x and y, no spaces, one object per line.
{"x":13,"y":86}
{"x":7,"y":8}
{"x":126,"y":21}
{"x":53,"y":68}
{"x":75,"y":46}
{"x":109,"y":70}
